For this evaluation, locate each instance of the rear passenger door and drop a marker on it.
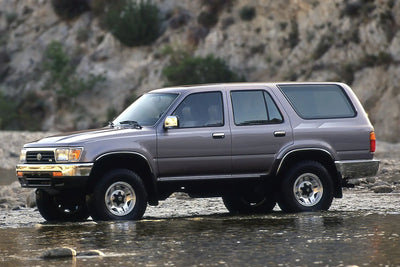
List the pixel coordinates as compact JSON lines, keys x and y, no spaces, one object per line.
{"x":259,"y":128}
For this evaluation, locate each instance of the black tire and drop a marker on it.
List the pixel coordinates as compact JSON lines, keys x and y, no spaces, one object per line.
{"x":242,"y":203}
{"x":119,"y":195}
{"x":307,"y":186}
{"x":56,"y":208}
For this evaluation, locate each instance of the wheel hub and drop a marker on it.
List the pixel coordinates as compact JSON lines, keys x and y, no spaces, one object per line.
{"x":118,"y":198}
{"x":308,"y":189}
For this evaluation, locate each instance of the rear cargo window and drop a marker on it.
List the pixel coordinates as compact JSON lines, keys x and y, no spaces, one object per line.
{"x":319,"y":101}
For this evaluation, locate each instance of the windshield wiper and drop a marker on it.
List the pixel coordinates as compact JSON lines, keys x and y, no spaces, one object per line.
{"x":135,"y":124}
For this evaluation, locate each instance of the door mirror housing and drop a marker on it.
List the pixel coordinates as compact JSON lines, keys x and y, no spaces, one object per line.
{"x":171,"y":122}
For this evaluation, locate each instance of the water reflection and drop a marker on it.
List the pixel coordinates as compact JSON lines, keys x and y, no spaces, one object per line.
{"x":331,"y":238}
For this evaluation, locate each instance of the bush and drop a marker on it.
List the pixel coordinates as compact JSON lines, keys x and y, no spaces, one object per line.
{"x":63,"y":79}
{"x":198,"y":70}
{"x":8,"y":112}
{"x":247,"y":13}
{"x":134,"y":23}
{"x":207,"y":19}
{"x":69,"y":9}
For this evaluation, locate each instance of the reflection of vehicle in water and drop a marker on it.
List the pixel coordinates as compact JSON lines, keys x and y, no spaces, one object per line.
{"x":253,"y":144}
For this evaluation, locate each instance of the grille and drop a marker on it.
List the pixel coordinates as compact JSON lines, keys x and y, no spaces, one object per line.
{"x":40,"y":157}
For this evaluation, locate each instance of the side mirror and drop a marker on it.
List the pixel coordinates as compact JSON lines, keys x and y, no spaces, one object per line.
{"x":171,"y":122}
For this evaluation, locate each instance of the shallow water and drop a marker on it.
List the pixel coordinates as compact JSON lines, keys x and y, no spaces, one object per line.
{"x":313,"y":239}
{"x":360,"y":229}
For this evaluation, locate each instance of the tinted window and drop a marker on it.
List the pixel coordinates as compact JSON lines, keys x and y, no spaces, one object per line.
{"x":319,"y":101}
{"x":254,"y":108}
{"x":201,"y":110}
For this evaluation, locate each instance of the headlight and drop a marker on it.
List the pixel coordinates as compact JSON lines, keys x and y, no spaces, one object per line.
{"x":68,"y":154}
{"x":22,"y":156}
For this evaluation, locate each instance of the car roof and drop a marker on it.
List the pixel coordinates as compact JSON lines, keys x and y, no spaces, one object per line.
{"x":219,"y":86}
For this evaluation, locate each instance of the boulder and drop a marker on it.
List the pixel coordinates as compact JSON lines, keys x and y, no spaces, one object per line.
{"x":55,"y":253}
{"x":382,"y":189}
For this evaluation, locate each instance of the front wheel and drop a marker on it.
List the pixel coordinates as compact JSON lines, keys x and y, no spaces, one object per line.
{"x":119,"y":195}
{"x":60,"y":208}
{"x":307,"y":186}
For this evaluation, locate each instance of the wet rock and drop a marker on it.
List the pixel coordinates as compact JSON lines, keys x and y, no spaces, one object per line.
{"x":90,"y":253}
{"x":355,"y":181}
{"x":382,"y":189}
{"x":63,"y":252}
{"x":31,"y":199}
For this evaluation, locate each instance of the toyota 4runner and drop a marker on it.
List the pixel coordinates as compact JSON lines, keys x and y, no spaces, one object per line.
{"x":253,"y":144}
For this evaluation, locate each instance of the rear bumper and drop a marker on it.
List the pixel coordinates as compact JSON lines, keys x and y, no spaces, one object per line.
{"x":53,"y":175}
{"x":350,"y":169}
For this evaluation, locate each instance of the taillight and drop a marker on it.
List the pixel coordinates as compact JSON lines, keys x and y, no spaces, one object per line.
{"x":372,"y":142}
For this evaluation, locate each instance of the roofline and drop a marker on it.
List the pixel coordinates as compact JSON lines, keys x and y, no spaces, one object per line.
{"x":212,"y":85}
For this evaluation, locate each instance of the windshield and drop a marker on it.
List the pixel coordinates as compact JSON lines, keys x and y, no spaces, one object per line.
{"x":146,"y":110}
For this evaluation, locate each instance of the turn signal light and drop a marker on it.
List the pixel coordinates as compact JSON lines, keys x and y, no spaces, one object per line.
{"x":57,"y":174}
{"x":372,"y":142}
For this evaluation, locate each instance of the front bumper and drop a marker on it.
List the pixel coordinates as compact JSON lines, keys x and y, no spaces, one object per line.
{"x":350,"y":169}
{"x":53,"y":175}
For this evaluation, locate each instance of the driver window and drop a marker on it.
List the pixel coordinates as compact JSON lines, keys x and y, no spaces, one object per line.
{"x":201,"y":110}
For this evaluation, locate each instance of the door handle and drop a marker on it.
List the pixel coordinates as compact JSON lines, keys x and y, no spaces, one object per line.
{"x":218,"y":135}
{"x":279,"y":133}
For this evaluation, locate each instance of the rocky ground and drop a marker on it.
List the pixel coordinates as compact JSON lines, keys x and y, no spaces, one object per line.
{"x":13,"y":197}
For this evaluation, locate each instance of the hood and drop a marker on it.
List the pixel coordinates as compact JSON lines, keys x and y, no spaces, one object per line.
{"x":82,"y":137}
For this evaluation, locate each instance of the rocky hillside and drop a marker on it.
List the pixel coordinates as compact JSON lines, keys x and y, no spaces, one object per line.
{"x":354,"y":41}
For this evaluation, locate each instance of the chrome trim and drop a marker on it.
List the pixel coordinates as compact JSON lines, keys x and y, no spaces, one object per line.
{"x":357,"y":168}
{"x":301,"y":149}
{"x":73,"y":169}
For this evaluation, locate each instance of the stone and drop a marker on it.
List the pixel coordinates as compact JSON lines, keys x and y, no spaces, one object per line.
{"x":55,"y":253}
{"x":90,"y":253}
{"x":371,"y":180}
{"x":31,"y":199}
{"x":382,"y":189}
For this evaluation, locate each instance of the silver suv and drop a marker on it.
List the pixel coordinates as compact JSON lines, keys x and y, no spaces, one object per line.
{"x":253,"y":144}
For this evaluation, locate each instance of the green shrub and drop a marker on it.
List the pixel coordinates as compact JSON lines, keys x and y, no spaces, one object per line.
{"x":207,"y":19}
{"x":198,"y":70}
{"x":8,"y":112}
{"x":383,"y":58}
{"x":69,"y":9}
{"x":247,"y":13}
{"x":294,"y":38}
{"x":133,"y":23}
{"x":63,"y":79}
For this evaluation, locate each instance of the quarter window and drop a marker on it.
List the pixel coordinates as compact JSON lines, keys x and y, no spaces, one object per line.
{"x":254,"y":108}
{"x":201,"y":110}
{"x":319,"y":101}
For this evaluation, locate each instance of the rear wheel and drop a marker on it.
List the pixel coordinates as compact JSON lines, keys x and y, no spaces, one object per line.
{"x":307,"y":186}
{"x":120,"y":195}
{"x":60,"y":208}
{"x":248,"y":203}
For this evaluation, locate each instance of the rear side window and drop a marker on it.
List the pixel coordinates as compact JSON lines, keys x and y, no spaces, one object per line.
{"x":254,"y":108}
{"x":319,"y":101}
